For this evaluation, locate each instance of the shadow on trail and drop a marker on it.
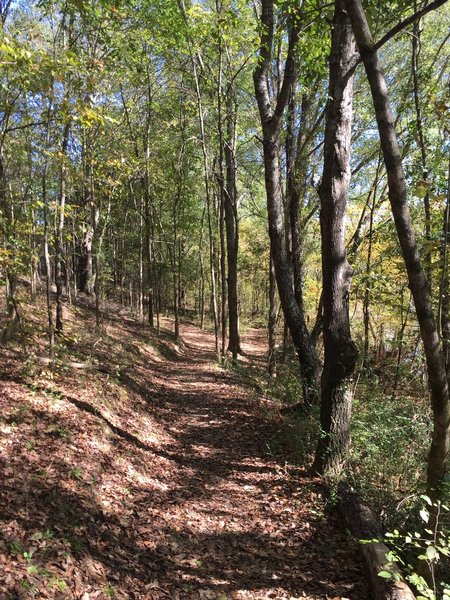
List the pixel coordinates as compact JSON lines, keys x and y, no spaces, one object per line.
{"x":211,"y":510}
{"x":135,"y":552}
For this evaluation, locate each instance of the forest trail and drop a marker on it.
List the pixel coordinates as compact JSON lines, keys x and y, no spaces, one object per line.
{"x":157,"y":484}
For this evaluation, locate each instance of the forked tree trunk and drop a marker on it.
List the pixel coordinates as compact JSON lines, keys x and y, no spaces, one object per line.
{"x":271,"y":127}
{"x":340,"y":351}
{"x":418,"y":283}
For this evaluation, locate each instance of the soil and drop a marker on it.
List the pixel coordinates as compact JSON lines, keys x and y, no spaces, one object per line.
{"x":154,"y":479}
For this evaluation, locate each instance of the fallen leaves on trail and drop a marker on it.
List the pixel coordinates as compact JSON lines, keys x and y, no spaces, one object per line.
{"x":155,"y":484}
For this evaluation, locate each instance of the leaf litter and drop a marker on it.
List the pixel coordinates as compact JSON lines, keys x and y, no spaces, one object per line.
{"x":153,"y":480}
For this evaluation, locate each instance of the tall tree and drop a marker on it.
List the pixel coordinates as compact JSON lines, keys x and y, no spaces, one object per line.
{"x":271,"y":111}
{"x":418,"y":283}
{"x":340,"y":351}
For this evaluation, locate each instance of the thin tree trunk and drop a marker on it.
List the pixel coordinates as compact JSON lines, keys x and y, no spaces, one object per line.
{"x":202,"y":273}
{"x":272,"y":322}
{"x":96,"y":259}
{"x":48,"y":268}
{"x":173,"y":253}
{"x":231,"y":224}
{"x":422,"y":145}
{"x":222,"y":192}
{"x":33,"y":265}
{"x":368,"y":287}
{"x":8,"y":212}
{"x":444,"y":292}
{"x":59,"y":234}
{"x":223,"y":274}
{"x":206,"y":173}
{"x":213,"y":277}
{"x":150,"y":267}
{"x":400,"y":341}
{"x":141,"y":264}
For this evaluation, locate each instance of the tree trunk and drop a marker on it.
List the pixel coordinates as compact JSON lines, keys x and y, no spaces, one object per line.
{"x":363,"y":524}
{"x":339,"y":349}
{"x":59,"y":234}
{"x":271,"y":126}
{"x":8,"y":233}
{"x":150,"y":266}
{"x":201,"y":300}
{"x":231,"y":225}
{"x":444,"y":295}
{"x":272,"y":323}
{"x":223,"y":273}
{"x":422,"y":145}
{"x":418,"y":283}
{"x":48,"y":268}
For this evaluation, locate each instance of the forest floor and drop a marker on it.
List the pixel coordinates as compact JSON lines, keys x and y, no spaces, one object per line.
{"x":155,"y":479}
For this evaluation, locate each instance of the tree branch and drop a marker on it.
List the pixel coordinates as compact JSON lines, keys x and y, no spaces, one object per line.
{"x":403,"y":24}
{"x":289,"y":72}
{"x":260,"y":75}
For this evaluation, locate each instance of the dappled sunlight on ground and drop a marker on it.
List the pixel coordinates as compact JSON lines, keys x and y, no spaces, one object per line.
{"x":153,"y":480}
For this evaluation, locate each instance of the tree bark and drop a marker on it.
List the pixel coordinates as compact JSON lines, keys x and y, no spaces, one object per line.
{"x":59,"y":235}
{"x":231,"y":226}
{"x":422,"y":145}
{"x":272,"y":322}
{"x":363,"y":525}
{"x":340,"y":351}
{"x":418,"y":283}
{"x":271,"y":126}
{"x":444,"y":292}
{"x":48,"y":268}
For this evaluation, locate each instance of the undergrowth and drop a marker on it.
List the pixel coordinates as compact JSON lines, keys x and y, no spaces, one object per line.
{"x":390,"y":435}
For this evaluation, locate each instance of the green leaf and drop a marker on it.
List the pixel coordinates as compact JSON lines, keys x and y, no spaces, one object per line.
{"x":32,"y":569}
{"x":425,"y":515}
{"x":385,"y":574}
{"x":432,"y":553}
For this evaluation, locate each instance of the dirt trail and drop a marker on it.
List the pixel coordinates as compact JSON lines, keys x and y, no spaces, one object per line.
{"x":177,"y":496}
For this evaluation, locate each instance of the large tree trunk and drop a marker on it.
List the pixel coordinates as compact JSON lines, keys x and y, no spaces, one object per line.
{"x":416,"y":275}
{"x":340,"y":351}
{"x":271,"y":126}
